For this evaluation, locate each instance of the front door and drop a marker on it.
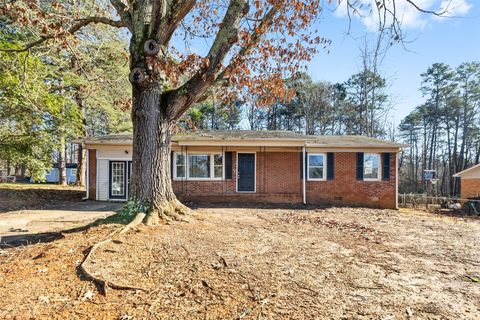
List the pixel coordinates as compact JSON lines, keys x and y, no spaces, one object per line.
{"x":118,"y":180}
{"x":246,"y":172}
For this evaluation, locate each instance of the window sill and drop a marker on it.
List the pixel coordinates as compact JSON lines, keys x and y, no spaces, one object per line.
{"x":310,"y":179}
{"x":198,"y":179}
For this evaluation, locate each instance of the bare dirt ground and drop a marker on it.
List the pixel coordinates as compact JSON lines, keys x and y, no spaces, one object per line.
{"x":18,"y":224}
{"x":231,"y":263}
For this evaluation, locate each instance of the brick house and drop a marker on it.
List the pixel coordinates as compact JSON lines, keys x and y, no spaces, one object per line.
{"x":258,"y":166}
{"x":469,"y":182}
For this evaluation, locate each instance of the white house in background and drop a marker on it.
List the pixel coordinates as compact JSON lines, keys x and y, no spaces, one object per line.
{"x":54,"y":174}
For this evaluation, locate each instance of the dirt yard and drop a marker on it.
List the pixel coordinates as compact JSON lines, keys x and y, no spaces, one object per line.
{"x":231,"y":263}
{"x":18,"y":196}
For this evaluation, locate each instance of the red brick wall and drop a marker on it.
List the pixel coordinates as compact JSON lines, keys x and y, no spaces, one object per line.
{"x":470,"y":188}
{"x":92,"y":174}
{"x":278,"y":181}
{"x":344,"y":189}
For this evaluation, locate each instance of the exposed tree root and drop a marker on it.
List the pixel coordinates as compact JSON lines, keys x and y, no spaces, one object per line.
{"x":135,"y":222}
{"x":172,"y":210}
{"x":89,"y":274}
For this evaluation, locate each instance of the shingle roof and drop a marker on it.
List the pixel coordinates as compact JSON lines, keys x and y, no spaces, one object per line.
{"x":258,"y":135}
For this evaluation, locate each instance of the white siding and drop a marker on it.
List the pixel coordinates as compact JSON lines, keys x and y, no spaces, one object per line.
{"x":473,"y":174}
{"x":103,"y":158}
{"x":114,"y":154}
{"x":102,"y":179}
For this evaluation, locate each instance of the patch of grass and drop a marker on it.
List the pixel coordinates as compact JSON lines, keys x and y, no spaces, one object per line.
{"x":125,"y":214}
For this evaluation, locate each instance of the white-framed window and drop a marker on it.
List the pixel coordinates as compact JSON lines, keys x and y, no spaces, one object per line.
{"x":218,"y":166}
{"x":316,"y":164}
{"x":371,"y":166}
{"x":198,"y":166}
{"x":180,"y":168}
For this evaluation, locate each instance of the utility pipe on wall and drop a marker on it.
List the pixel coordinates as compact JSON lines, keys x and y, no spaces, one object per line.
{"x":304,"y":186}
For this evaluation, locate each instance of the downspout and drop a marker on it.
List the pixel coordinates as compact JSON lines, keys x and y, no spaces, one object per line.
{"x":304,"y":185}
{"x":396,"y":180}
{"x":87,"y":172}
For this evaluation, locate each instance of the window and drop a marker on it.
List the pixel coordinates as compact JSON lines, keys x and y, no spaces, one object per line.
{"x":218,"y":166}
{"x":316,"y":167}
{"x":371,"y":167}
{"x":180,"y":165}
{"x":198,"y":166}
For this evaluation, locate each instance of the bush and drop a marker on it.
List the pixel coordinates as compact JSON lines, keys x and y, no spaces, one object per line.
{"x":132,"y":207}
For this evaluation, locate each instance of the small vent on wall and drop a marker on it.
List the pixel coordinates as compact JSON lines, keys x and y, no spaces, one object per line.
{"x":337,"y":198}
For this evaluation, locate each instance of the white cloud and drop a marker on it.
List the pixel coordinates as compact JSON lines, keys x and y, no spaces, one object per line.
{"x":405,"y":12}
{"x":455,"y":7}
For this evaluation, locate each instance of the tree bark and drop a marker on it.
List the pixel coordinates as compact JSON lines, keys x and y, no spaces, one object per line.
{"x":81,"y":166}
{"x":151,"y":175}
{"x":62,"y":166}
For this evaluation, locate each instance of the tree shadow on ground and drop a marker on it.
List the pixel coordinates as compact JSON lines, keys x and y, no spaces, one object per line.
{"x":45,"y":237}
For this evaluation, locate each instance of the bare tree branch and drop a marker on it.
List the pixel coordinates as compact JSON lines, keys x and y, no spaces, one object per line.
{"x":122,"y":12}
{"x":172,"y":19}
{"x":226,"y":37}
{"x":77,"y":26}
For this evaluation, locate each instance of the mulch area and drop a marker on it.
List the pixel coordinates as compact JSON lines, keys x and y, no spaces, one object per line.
{"x":246,"y":263}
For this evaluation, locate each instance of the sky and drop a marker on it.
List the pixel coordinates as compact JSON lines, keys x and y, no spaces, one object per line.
{"x":430,"y":39}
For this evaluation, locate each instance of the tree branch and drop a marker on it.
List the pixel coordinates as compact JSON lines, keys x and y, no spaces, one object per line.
{"x":122,"y":12}
{"x":77,"y":26}
{"x":255,"y":38}
{"x":182,"y":98}
{"x":172,"y":19}
{"x":435,"y":13}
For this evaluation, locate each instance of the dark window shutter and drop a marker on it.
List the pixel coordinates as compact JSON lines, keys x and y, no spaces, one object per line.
{"x":228,"y":165}
{"x":359,"y":165}
{"x":330,"y":166}
{"x":303,"y":165}
{"x":172,"y":164}
{"x":386,"y":166}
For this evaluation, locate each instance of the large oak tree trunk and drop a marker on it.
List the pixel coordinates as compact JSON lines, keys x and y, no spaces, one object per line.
{"x":151,"y":170}
{"x":62,"y":166}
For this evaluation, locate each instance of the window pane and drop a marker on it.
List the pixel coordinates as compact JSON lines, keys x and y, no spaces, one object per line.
{"x":315,"y":160}
{"x":199,"y":166}
{"x":180,"y":166}
{"x":180,"y":172}
{"x":315,"y":172}
{"x":218,"y":172}
{"x":370,"y":166}
{"x":217,"y":166}
{"x":180,"y":159}
{"x":217,"y":159}
{"x":118,"y":179}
